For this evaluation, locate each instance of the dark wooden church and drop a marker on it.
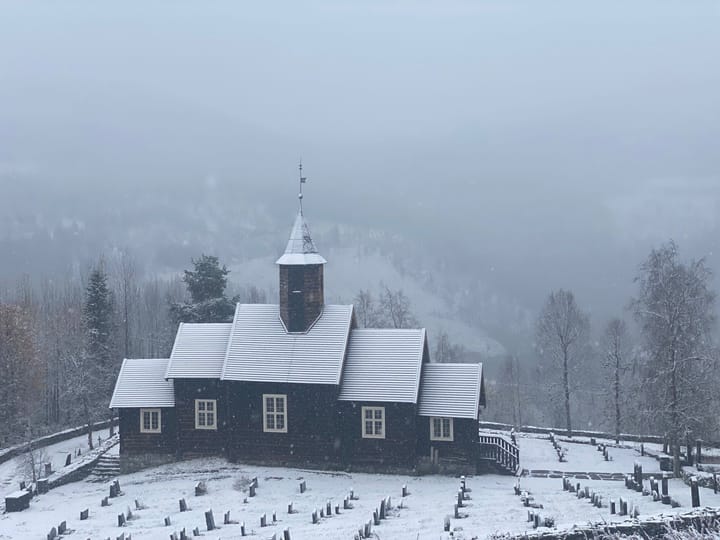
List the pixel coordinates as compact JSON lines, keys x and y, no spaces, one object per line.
{"x":297,"y":383}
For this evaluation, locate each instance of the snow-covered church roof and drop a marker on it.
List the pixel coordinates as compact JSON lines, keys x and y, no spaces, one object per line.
{"x":300,"y":248}
{"x":260,"y":348}
{"x":142,"y":383}
{"x":199,"y":351}
{"x":383,"y":364}
{"x":451,"y":390}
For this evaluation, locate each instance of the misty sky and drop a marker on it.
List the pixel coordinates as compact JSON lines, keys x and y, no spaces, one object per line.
{"x":550,"y":143}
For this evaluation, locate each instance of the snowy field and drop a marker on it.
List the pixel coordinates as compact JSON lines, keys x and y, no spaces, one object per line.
{"x":493,"y":507}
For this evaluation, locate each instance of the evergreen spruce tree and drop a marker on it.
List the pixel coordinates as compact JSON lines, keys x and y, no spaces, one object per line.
{"x":206,"y":285}
{"x":94,"y":369}
{"x":98,"y":317}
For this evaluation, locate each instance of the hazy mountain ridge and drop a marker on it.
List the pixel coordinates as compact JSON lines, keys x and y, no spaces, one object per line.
{"x":165,"y":232}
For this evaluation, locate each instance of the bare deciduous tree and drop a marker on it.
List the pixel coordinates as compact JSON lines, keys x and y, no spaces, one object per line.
{"x":508,"y":395}
{"x":562,"y":331}
{"x":21,"y":374}
{"x":126,"y":276}
{"x":365,"y":309}
{"x":446,"y":350}
{"x":616,"y":349}
{"x":395,"y":307}
{"x":675,"y":310}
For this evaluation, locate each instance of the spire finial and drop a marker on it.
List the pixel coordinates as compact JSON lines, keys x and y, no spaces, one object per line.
{"x":302,"y":181}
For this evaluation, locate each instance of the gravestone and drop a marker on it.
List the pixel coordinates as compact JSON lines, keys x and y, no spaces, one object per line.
{"x":698,"y":451}
{"x":694,"y":492}
{"x":209,"y":520}
{"x":17,"y":501}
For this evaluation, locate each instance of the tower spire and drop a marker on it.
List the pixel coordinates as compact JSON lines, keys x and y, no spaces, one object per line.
{"x":302,"y":294}
{"x":302,"y":181}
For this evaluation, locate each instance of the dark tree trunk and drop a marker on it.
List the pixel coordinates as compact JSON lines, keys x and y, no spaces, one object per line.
{"x":86,"y":410}
{"x":566,"y":383}
{"x":675,"y":428}
{"x":617,"y":399}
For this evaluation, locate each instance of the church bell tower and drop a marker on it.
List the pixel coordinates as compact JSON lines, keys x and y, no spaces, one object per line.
{"x":301,"y":277}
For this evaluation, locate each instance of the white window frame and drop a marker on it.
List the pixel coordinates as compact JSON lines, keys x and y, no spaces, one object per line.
{"x":275,"y":414}
{"x":450,"y":436}
{"x":374,"y":432}
{"x":150,"y":429}
{"x":203,"y":413}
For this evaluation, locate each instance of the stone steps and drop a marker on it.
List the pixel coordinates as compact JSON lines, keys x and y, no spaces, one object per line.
{"x":106,"y":467}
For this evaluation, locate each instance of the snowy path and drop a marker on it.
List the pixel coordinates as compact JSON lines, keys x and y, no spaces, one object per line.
{"x":538,"y":455}
{"x":14,"y":470}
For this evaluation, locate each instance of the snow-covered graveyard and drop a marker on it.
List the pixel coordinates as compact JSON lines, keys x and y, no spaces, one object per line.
{"x":151,"y":498}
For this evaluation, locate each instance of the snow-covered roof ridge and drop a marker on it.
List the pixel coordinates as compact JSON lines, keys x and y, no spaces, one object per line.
{"x":142,"y":383}
{"x":300,"y":249}
{"x":199,"y":351}
{"x":261,"y":350}
{"x":383,"y":364}
{"x":453,"y":390}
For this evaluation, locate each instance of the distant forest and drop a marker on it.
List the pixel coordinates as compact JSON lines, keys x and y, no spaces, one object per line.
{"x":651,"y":369}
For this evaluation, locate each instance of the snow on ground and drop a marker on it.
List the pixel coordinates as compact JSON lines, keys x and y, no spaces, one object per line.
{"x":537,"y":453}
{"x":493,"y":507}
{"x":14,"y":470}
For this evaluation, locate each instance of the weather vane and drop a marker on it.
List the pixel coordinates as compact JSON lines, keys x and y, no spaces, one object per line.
{"x":302,"y":181}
